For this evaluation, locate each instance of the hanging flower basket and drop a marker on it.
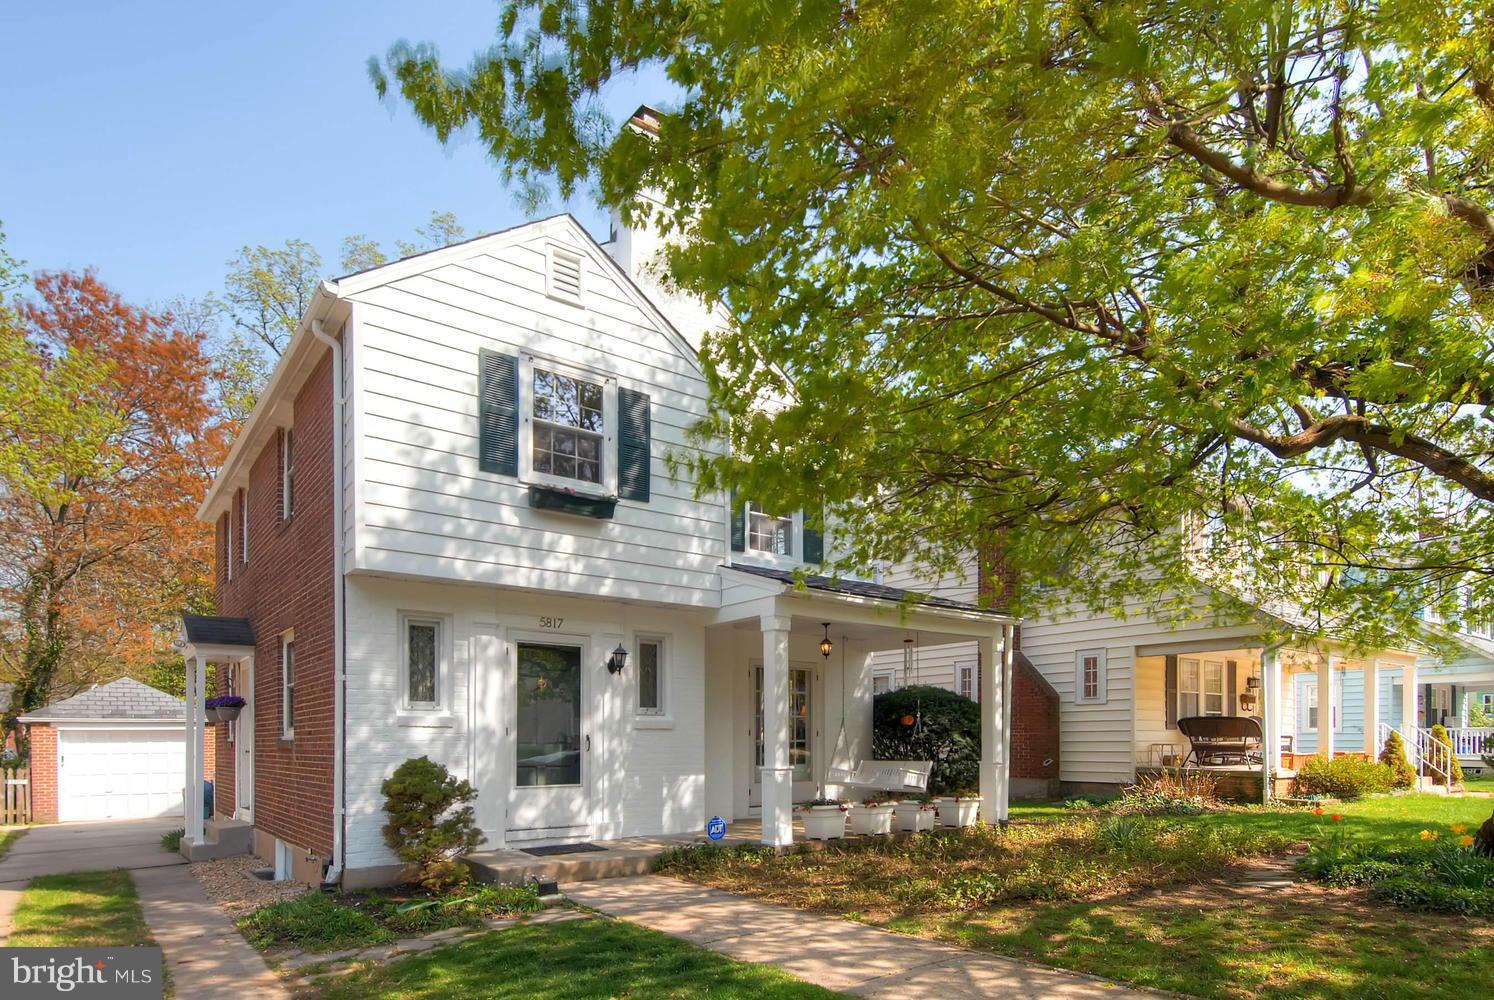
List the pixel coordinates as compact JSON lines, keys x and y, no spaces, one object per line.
{"x":223,"y":708}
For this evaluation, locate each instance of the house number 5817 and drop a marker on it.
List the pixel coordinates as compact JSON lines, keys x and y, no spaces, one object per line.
{"x":546,"y":621}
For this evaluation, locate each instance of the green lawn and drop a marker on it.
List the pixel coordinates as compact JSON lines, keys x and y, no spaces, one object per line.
{"x":579,"y":960}
{"x":90,"y":909}
{"x":8,"y":839}
{"x":1479,"y":784}
{"x":1136,"y":901}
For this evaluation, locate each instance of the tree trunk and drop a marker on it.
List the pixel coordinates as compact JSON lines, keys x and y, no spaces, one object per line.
{"x":1483,"y":841}
{"x":41,"y":622}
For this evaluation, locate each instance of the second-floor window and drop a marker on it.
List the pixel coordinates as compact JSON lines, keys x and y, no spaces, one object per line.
{"x":768,"y":533}
{"x":569,"y":427}
{"x":288,"y":475}
{"x":244,"y":526}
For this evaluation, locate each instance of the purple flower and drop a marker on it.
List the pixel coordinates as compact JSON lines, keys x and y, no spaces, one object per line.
{"x":224,"y":701}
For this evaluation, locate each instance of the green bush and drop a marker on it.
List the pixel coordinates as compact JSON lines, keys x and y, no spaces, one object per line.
{"x":430,"y":822}
{"x":1445,"y":876}
{"x":948,"y":734}
{"x":1343,"y":777}
{"x":1393,"y":756}
{"x":313,"y":922}
{"x":1439,"y":733}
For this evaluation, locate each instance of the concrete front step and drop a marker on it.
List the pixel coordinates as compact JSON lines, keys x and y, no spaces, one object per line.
{"x":222,"y":838}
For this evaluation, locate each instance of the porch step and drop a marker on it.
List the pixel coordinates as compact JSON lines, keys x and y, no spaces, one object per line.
{"x":222,"y":838}
{"x":620,"y":859}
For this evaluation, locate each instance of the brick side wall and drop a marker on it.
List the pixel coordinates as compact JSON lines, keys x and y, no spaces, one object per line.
{"x":1035,"y":709}
{"x":287,"y":585}
{"x":43,"y":773}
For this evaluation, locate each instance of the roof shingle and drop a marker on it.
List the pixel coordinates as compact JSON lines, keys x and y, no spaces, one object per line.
{"x":217,"y":630}
{"x":124,"y":698}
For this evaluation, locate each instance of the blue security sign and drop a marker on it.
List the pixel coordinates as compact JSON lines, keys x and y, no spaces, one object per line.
{"x":716,"y":828}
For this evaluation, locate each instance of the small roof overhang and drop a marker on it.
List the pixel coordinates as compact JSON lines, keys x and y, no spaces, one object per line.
{"x":218,"y":631}
{"x":865,"y":592}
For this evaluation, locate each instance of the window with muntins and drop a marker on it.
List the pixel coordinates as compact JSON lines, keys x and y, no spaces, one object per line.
{"x":422,"y":663}
{"x":769,"y":534}
{"x":569,"y":427}
{"x":288,"y":687}
{"x":1089,"y":676}
{"x":1200,"y":687}
{"x":965,"y":677}
{"x":650,"y":677}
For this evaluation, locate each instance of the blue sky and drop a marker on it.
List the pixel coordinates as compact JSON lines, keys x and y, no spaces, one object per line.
{"x":151,"y":140}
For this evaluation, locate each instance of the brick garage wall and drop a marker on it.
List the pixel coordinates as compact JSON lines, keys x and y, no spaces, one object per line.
{"x":287,"y":585}
{"x":43,"y":773}
{"x":1035,"y":705}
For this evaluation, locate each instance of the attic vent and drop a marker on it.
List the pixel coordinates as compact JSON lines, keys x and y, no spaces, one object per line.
{"x":565,"y":275}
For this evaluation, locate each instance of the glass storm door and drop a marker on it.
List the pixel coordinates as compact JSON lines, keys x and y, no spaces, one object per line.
{"x":550,"y":743}
{"x":801,"y":735}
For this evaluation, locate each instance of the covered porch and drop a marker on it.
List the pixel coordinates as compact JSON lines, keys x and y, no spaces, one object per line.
{"x":1295,"y":701}
{"x":789,"y":690}
{"x":228,"y":644}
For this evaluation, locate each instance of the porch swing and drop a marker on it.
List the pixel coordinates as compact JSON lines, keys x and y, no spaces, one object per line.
{"x":910,"y":777}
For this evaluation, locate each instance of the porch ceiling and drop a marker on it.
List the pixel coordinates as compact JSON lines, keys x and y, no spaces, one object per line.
{"x":879,"y":636}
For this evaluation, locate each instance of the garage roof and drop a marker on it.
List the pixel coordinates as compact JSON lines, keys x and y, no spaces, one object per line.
{"x":125,"y":699}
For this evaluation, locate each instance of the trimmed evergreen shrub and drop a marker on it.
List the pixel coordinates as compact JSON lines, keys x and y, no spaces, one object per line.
{"x":1455,"y":773}
{"x":1393,"y":756}
{"x":944,"y":728}
{"x":430,"y":822}
{"x":1343,"y":777}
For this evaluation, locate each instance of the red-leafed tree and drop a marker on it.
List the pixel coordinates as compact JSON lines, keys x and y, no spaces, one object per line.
{"x":108,"y":447}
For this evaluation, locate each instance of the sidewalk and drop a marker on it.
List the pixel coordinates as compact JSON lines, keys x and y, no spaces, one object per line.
{"x":830,"y":952}
{"x":207,"y":957}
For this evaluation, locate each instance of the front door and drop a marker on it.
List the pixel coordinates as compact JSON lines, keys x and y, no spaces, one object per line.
{"x":801,"y":735}
{"x":550,"y":742}
{"x":241,"y":682}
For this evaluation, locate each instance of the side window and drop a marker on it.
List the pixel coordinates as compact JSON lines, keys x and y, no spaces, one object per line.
{"x":288,"y":685}
{"x":965,"y":681}
{"x":244,"y":526}
{"x":651,"y":667}
{"x":287,"y":474}
{"x":424,"y":655}
{"x":881,"y":683}
{"x":228,"y":542}
{"x":1089,"y":676}
{"x":768,"y":533}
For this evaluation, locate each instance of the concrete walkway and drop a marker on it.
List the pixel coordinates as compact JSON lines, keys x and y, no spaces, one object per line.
{"x":834,"y":953}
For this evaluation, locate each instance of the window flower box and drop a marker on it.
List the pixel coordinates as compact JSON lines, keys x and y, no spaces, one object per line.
{"x":824,"y":820}
{"x":869,"y":819}
{"x":913,"y":816}
{"x":957,"y":810}
{"x":223,"y":708}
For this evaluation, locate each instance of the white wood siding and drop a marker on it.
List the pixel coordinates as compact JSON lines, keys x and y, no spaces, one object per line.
{"x":424,"y":509}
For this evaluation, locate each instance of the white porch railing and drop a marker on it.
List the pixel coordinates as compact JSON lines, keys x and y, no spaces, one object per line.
{"x":1472,"y":743}
{"x":1431,"y":758}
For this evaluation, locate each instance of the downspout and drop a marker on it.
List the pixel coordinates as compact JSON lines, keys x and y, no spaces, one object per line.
{"x":339,"y":804}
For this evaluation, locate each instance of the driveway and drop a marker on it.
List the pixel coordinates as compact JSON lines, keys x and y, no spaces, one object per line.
{"x":89,"y":847}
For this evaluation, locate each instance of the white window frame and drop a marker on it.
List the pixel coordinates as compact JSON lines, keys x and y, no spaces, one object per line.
{"x":287,"y":685}
{"x":1201,"y":689}
{"x":967,"y":680}
{"x":608,"y":486}
{"x":796,"y":538}
{"x":442,"y":625}
{"x":1101,"y":682}
{"x":890,"y":676}
{"x":554,"y":251}
{"x":1310,"y":703}
{"x":228,"y":542}
{"x":244,"y":526}
{"x":287,"y":473}
{"x":661,"y":717}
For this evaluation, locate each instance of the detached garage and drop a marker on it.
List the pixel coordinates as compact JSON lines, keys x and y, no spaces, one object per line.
{"x":116,"y":751}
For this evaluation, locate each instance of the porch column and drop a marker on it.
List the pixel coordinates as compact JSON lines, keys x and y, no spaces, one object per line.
{"x":777,"y":775}
{"x":1008,"y":664}
{"x":196,"y":723}
{"x":1325,"y":705}
{"x":1270,"y":715}
{"x":1408,"y":707}
{"x":992,"y":719}
{"x":1372,"y":708}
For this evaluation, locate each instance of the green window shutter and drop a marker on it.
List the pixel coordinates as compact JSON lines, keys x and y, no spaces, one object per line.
{"x":633,"y":452}
{"x":1170,"y":690}
{"x":814,"y":537}
{"x":498,"y":413}
{"x":738,"y":524}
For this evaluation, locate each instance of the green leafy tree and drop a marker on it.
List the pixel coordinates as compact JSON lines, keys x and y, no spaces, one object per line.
{"x":430,"y":822}
{"x":1061,"y":276}
{"x":359,"y":253}
{"x":1393,"y":756}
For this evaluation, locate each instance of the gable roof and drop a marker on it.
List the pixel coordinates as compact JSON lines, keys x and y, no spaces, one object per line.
{"x":122,"y":699}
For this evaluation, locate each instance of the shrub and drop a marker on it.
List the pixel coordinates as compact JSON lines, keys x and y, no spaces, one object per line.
{"x":172,"y":840}
{"x":1343,"y":777}
{"x":1393,"y":756}
{"x":1179,"y":793}
{"x":430,"y":822}
{"x":312,"y":922}
{"x":1455,"y":772}
{"x":945,"y":729}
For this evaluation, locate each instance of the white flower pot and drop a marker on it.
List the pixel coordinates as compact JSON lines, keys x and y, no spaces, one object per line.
{"x":958,"y":812}
{"x":869,"y":820}
{"x":824,"y":823}
{"x":913,"y":817}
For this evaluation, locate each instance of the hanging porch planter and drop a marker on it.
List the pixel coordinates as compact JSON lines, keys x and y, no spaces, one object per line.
{"x":824,"y":819}
{"x":223,"y":708}
{"x":913,"y":816}
{"x":868,"y":819}
{"x":957,"y":810}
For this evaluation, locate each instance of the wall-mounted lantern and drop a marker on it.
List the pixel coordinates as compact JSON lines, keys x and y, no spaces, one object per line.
{"x":617,"y":660}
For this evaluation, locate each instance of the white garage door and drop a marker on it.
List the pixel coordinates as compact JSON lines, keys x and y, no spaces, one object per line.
{"x":120,"y":773}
